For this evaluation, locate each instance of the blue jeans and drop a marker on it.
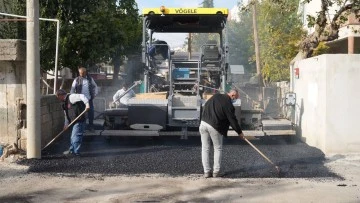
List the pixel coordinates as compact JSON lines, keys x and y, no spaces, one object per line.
{"x":76,"y":137}
{"x":207,"y":132}
{"x":91,"y":113}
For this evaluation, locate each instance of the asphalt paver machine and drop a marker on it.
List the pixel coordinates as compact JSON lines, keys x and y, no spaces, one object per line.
{"x":176,"y":84}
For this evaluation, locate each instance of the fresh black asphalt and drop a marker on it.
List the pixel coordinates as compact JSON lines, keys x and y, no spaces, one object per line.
{"x":175,"y":157}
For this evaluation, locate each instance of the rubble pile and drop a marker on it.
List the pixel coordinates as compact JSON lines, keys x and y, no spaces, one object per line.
{"x":10,"y":152}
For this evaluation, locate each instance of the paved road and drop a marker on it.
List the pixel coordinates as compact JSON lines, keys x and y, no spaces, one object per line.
{"x":175,"y":157}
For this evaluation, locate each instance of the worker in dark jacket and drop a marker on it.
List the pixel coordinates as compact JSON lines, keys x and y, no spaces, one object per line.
{"x":84,"y":84}
{"x":217,"y":116}
{"x":158,"y":52}
{"x":73,"y":106}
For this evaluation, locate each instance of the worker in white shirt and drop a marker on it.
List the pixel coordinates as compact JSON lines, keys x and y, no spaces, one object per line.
{"x":122,"y":96}
{"x":73,"y":106}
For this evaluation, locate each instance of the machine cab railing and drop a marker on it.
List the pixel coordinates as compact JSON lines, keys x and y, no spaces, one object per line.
{"x":211,"y":54}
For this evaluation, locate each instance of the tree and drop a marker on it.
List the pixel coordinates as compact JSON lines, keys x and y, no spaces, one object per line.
{"x":13,"y":29}
{"x":198,"y":39}
{"x":131,"y":33}
{"x":326,"y":28}
{"x":279,"y":35}
{"x":91,"y":31}
{"x":208,"y":4}
{"x":100,"y":31}
{"x":240,"y":42}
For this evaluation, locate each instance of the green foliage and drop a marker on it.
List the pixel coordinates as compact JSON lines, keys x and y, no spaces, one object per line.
{"x":199,"y":39}
{"x":311,"y":21}
{"x":327,"y":22}
{"x":240,"y":41}
{"x":99,"y":31}
{"x":279,"y":31}
{"x":13,"y":29}
{"x":279,"y":35}
{"x":322,"y":48}
{"x":91,"y":31}
{"x":208,"y":4}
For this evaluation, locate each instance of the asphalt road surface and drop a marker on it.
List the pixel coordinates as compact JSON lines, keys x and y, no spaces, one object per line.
{"x":175,"y":157}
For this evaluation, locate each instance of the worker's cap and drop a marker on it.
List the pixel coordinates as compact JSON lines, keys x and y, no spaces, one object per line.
{"x":159,"y":42}
{"x":126,"y":84}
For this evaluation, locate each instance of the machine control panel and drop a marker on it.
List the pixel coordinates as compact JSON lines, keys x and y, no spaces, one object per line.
{"x":290,"y":99}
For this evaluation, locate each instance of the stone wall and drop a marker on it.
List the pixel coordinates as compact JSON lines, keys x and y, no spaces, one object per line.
{"x":12,"y":89}
{"x":12,"y":50}
{"x":327,"y":99}
{"x":13,"y":99}
{"x":52,"y":118}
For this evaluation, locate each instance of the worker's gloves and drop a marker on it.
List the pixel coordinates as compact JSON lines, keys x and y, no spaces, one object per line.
{"x":87,"y":108}
{"x":241,"y":135}
{"x":112,"y":105}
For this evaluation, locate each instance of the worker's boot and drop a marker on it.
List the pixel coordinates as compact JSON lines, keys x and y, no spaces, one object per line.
{"x":218,"y":174}
{"x":207,"y":175}
{"x":68,"y":152}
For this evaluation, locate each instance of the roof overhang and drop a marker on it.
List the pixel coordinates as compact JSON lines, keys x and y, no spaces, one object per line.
{"x":341,"y":45}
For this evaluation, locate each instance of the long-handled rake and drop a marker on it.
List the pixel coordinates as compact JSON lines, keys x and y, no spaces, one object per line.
{"x":263,"y":155}
{"x":58,"y":135}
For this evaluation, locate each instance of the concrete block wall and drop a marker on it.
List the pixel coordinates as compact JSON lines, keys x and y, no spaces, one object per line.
{"x":52,"y":118}
{"x":12,"y":89}
{"x":13,"y":99}
{"x":107,"y":89}
{"x":310,"y":110}
{"x":52,"y":121}
{"x":12,"y":50}
{"x":343,"y":99}
{"x":328,"y":98}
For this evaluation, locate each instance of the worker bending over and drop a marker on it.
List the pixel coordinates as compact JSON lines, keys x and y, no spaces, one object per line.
{"x":120,"y":98}
{"x":73,"y":106}
{"x":218,"y":115}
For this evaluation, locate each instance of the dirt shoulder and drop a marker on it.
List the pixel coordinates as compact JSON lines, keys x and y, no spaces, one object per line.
{"x":17,"y":185}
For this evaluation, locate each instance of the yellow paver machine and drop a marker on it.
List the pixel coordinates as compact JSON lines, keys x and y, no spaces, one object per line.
{"x":177,"y":83}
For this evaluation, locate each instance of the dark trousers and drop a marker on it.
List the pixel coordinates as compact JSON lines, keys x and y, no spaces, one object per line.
{"x":91,"y":113}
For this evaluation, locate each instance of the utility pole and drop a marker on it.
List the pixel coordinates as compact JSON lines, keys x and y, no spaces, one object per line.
{"x":256,"y":44}
{"x":189,"y":46}
{"x":33,"y":147}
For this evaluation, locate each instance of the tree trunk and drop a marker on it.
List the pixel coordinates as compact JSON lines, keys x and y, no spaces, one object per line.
{"x":324,"y":30}
{"x":310,"y":43}
{"x":117,"y":64}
